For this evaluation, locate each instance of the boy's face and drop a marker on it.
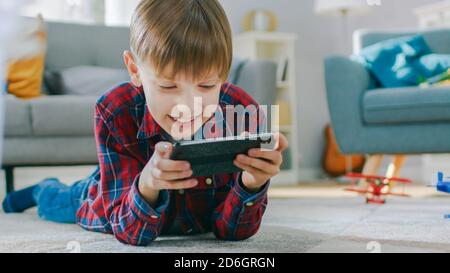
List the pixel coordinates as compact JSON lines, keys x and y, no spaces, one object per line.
{"x":180,"y":105}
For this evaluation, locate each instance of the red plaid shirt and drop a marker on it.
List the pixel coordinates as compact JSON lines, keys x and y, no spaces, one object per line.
{"x":126,"y":134}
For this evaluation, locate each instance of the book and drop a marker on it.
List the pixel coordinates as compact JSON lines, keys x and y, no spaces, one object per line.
{"x":282,"y":67}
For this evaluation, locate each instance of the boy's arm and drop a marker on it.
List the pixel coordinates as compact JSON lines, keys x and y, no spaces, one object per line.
{"x":132,"y":219}
{"x":239,"y":216}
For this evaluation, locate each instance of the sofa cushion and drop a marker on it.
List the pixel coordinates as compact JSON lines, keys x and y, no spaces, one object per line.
{"x":65,"y":115}
{"x":49,"y":150}
{"x":85,"y":80}
{"x":433,"y":64}
{"x":406,"y":105}
{"x":17,"y":117}
{"x":235,"y":70}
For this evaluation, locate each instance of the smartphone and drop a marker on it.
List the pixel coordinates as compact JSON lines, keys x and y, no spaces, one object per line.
{"x":215,"y":156}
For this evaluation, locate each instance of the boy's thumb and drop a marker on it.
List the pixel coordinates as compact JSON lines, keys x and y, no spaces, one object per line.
{"x":163,"y":149}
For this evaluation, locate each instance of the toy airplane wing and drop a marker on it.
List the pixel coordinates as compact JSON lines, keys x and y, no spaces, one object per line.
{"x":363,"y":191}
{"x":396,"y":194}
{"x":357,"y":190}
{"x":376,"y":177}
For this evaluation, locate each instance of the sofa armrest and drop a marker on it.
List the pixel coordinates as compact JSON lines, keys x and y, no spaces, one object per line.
{"x":346,"y":81}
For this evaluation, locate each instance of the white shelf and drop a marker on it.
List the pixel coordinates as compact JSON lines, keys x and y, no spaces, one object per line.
{"x":283,"y":84}
{"x":276,"y":46}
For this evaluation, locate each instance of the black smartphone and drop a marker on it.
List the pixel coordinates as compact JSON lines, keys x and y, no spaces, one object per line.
{"x":215,"y":156}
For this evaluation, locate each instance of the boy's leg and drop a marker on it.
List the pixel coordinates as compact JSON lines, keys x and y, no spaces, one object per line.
{"x":18,"y":201}
{"x":58,"y":202}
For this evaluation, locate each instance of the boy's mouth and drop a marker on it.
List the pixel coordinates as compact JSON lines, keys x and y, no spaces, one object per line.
{"x":183,"y":121}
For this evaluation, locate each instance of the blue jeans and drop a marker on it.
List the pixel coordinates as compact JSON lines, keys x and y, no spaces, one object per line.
{"x":58,"y":202}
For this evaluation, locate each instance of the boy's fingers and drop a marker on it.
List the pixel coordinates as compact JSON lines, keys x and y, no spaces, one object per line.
{"x":172,"y":165}
{"x":282,"y":142}
{"x":163,"y":149}
{"x":259,"y":164}
{"x":249,"y":168}
{"x":273,"y":156}
{"x":164,"y":175}
{"x":176,"y":185}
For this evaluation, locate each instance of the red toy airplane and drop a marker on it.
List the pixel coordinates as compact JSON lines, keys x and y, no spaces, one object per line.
{"x":378,"y":186}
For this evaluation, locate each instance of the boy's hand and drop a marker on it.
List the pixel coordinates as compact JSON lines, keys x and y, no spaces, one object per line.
{"x":259,"y":165}
{"x":162,"y":173}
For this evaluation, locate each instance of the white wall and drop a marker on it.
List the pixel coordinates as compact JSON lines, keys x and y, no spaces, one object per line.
{"x":318,"y":37}
{"x":119,"y":12}
{"x":50,"y":9}
{"x":81,"y":11}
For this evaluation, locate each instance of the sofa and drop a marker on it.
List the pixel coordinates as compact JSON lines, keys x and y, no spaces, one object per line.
{"x":367,"y":119}
{"x":57,"y":128}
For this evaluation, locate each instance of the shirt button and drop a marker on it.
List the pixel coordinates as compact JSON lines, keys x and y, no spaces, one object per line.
{"x":249,"y":204}
{"x":208,"y":181}
{"x":154,"y":216}
{"x":181,"y":191}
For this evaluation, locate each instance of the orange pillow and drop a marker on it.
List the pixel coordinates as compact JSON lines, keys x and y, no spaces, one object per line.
{"x":24,"y":77}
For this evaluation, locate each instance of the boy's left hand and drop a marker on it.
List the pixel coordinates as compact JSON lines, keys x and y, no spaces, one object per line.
{"x":259,"y":165}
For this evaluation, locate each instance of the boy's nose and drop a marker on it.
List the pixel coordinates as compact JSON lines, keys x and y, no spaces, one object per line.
{"x":192,"y":106}
{"x":187,"y":110}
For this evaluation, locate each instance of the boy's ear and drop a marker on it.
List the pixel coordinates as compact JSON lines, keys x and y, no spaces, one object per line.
{"x":132,"y":68}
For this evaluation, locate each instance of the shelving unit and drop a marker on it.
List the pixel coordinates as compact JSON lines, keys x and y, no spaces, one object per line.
{"x":434,"y":15}
{"x":276,"y":46}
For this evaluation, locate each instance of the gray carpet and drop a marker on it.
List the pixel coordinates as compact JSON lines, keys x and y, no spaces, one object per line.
{"x":336,"y":224}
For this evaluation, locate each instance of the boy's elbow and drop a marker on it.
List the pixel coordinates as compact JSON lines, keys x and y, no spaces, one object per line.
{"x":134,"y":233}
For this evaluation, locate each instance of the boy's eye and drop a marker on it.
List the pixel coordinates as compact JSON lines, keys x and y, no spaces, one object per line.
{"x":208,"y":86}
{"x":168,"y":87}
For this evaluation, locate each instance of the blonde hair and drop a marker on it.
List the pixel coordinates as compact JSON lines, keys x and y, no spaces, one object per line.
{"x":194,"y":36}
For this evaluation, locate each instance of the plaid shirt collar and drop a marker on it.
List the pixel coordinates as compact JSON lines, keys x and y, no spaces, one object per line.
{"x":149,"y":128}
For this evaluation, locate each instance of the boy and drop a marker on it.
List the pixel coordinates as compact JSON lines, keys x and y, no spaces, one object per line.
{"x":180,"y":55}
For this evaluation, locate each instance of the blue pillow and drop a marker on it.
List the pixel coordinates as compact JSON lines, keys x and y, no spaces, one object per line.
{"x":392,"y":62}
{"x":433,"y":64}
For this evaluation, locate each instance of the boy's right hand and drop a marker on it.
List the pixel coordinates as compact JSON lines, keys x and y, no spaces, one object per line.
{"x":163,"y":173}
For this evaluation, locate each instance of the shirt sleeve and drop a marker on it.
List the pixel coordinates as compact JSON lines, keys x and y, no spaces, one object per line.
{"x":239,"y":216}
{"x":132,"y":219}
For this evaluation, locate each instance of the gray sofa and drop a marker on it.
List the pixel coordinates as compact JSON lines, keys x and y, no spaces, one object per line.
{"x":58,"y":129}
